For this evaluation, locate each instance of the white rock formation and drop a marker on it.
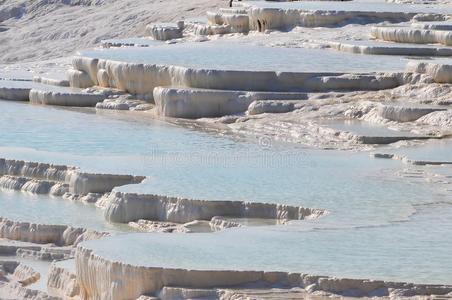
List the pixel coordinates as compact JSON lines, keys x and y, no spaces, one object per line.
{"x":404,"y":113}
{"x":15,"y":290}
{"x":143,"y":78}
{"x":14,"y":93}
{"x":382,"y":49}
{"x":430,"y":26}
{"x":33,"y":186}
{"x":62,"y":282}
{"x":79,"y":79}
{"x":127,"y":207}
{"x":165,"y":31}
{"x":206,"y":29}
{"x":44,"y":234}
{"x":51,"y":81}
{"x":155,"y":226}
{"x":438,"y":119}
{"x":439,"y":72}
{"x":237,"y":22}
{"x":412,"y":35}
{"x":262,"y":19}
{"x":270,"y":106}
{"x":124,"y":103}
{"x":65,"y":98}
{"x":26,"y":275}
{"x":84,"y":183}
{"x":45,"y":253}
{"x":101,"y":278}
{"x":219,"y":223}
{"x":45,"y":178}
{"x":62,"y":33}
{"x":196,"y":103}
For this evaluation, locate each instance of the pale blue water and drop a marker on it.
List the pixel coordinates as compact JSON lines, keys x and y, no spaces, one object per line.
{"x":377,"y":222}
{"x":357,"y":5}
{"x":225,"y":56}
{"x":414,"y":251}
{"x":188,"y":163}
{"x":434,"y":150}
{"x":43,"y":209}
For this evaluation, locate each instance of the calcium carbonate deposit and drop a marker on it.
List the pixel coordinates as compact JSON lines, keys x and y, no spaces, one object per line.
{"x":200,"y":150}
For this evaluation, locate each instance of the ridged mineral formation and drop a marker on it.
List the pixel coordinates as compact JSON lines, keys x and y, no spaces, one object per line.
{"x":101,"y":278}
{"x":127,"y":207}
{"x":60,"y":235}
{"x":42,"y":178}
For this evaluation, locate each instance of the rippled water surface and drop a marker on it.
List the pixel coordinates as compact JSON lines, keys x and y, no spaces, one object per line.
{"x":379,"y":225}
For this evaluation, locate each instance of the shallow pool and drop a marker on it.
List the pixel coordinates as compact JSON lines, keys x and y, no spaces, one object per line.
{"x":415,"y":251}
{"x":224,"y":56}
{"x":195,"y":164}
{"x":434,"y":150}
{"x":377,"y":221}
{"x":356,"y":5}
{"x":43,"y":209}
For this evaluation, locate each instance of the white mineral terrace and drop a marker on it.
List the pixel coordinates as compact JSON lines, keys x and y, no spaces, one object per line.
{"x":187,"y":150}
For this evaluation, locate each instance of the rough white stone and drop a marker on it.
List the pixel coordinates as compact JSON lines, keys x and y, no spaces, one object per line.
{"x":260,"y":107}
{"x":404,"y":113}
{"x":441,"y":73}
{"x":68,"y":98}
{"x":127,"y":207}
{"x":26,"y":275}
{"x":412,"y":35}
{"x":101,"y":278}
{"x":164,"y":31}
{"x":44,"y":234}
{"x":62,"y":282}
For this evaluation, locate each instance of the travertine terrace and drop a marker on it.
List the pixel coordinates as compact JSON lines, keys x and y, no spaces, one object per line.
{"x":191,"y":150}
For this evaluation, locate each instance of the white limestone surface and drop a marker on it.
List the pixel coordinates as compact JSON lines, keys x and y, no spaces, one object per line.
{"x":101,"y":276}
{"x":62,"y":281}
{"x":126,"y":207}
{"x":165,"y":31}
{"x":382,"y":48}
{"x":65,"y":97}
{"x":26,"y":275}
{"x":405,"y":113}
{"x":275,"y":15}
{"x":195,"y":103}
{"x":17,"y":90}
{"x":447,"y":26}
{"x":44,"y":234}
{"x":237,"y":22}
{"x":57,"y":179}
{"x":412,"y":35}
{"x":70,"y":25}
{"x":198,"y":103}
{"x":440,"y":72}
{"x":269,"y":106}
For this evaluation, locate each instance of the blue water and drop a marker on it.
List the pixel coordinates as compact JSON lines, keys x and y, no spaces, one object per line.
{"x":43,"y":209}
{"x":414,"y":251}
{"x":379,"y":226}
{"x":227,"y":56}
